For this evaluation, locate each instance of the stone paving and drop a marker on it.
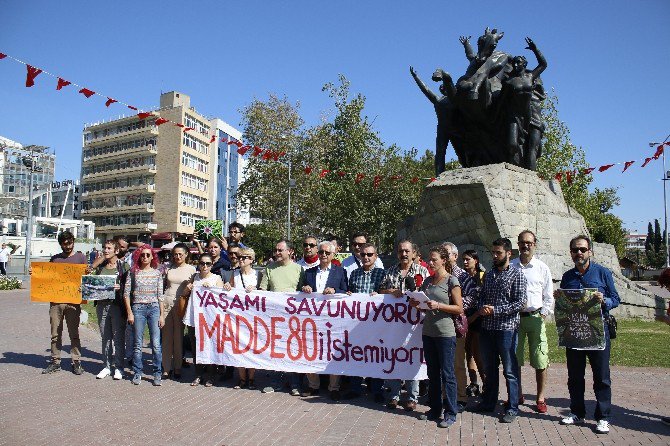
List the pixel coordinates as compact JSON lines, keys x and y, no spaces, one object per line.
{"x":66,"y":409}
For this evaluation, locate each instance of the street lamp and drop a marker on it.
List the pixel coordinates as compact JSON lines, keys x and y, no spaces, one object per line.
{"x":666,"y":177}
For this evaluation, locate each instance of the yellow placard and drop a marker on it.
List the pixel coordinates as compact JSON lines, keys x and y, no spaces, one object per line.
{"x":56,"y":282}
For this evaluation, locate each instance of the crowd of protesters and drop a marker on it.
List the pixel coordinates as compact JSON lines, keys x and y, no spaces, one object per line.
{"x":475,"y":318}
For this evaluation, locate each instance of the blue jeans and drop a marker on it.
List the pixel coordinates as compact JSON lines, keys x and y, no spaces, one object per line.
{"x":113,"y":330}
{"x":147,"y":314}
{"x":439,"y":354}
{"x":498,"y":346}
{"x":395,"y":385}
{"x":602,"y":384}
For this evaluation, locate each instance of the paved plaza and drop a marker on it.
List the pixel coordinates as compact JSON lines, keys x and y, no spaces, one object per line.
{"x":63,"y":408}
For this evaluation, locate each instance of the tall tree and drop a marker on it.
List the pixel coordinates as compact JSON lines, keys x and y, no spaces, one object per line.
{"x":657,"y":236}
{"x":561,"y":155}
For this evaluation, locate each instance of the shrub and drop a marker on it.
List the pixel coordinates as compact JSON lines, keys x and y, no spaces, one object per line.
{"x":9,"y":283}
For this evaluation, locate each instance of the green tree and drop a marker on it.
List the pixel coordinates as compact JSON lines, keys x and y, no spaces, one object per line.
{"x":355,"y":181}
{"x":559,"y":154}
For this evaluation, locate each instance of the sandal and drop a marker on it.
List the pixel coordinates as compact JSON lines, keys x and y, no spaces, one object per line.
{"x":241,"y":384}
{"x":196,"y":381}
{"x":252,"y":386}
{"x":209,"y":383}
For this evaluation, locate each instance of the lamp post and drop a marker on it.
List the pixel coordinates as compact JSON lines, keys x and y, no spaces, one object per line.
{"x":665,"y":178}
{"x":291,"y":185}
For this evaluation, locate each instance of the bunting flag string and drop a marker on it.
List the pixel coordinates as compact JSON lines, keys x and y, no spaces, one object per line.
{"x":33,"y":72}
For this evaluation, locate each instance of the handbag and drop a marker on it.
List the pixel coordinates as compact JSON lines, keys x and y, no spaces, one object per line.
{"x":460,"y":324}
{"x":611,"y":325}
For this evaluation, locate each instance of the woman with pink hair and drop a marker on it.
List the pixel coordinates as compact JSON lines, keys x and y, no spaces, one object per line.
{"x":143,"y":296}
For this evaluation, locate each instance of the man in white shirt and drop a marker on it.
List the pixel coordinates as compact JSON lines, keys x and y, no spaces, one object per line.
{"x":353,"y":262}
{"x":5,"y":256}
{"x":540,"y":304}
{"x":310,"y":258}
{"x":325,"y":278}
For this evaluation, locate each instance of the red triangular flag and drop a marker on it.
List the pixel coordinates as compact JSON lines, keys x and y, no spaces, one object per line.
{"x":276,"y":155}
{"x":341,"y":174}
{"x":568,"y":177}
{"x":323,"y":173}
{"x":267,"y":155}
{"x":588,"y":170}
{"x":376,"y":181}
{"x":646,"y":161}
{"x":144,"y":115}
{"x":31,"y":74}
{"x":110,"y":101}
{"x":396,"y":177}
{"x":243,"y":149}
{"x":659,"y":152}
{"x":257,"y":151}
{"x":627,"y":165}
{"x":212,"y":139}
{"x":179,"y":125}
{"x":433,"y":179}
{"x":558,"y":176}
{"x":605,"y":167}
{"x":62,"y":83}
{"x":86,"y":92}
{"x":160,"y":121}
{"x":415,"y":180}
{"x":2,"y":55}
{"x":131,"y":107}
{"x":308,"y":170}
{"x":188,"y":129}
{"x":359,"y":177}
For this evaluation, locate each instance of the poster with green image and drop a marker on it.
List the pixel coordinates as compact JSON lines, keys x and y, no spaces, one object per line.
{"x":579,"y":320}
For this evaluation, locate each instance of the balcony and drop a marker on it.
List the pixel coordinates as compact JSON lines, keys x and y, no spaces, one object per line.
{"x":133,"y":208}
{"x":120,"y":154}
{"x":129,"y":171}
{"x":129,"y":228}
{"x":140,"y":188}
{"x":101,"y":140}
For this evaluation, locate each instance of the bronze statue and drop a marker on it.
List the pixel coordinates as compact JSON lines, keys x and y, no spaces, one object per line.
{"x":493,"y":113}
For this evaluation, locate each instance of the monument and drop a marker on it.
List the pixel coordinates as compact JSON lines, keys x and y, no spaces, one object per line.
{"x":492,"y":117}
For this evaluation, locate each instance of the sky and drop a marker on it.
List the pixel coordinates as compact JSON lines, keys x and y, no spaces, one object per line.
{"x":608,"y":63}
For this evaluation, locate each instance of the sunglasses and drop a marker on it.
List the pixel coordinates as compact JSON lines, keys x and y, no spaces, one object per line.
{"x":322,"y":252}
{"x":279,"y":250}
{"x":205,"y":263}
{"x":357,"y":244}
{"x":146,"y":255}
{"x":580,"y":249}
{"x":308,"y":245}
{"x":367,"y":254}
{"x":245,"y":257}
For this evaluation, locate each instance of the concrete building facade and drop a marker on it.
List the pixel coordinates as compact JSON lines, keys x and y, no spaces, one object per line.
{"x":138,"y":177}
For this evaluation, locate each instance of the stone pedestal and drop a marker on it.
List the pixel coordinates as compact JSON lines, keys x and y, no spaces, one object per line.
{"x":474,"y":206}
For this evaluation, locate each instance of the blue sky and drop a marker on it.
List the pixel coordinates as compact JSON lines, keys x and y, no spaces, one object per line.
{"x":608,"y":63}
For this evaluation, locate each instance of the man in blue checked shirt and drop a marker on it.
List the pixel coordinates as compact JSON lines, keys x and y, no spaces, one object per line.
{"x":366,"y":279}
{"x":502,"y":297}
{"x":588,"y":274}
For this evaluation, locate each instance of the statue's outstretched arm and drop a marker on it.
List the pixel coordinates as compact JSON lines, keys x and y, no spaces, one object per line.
{"x":541,"y":61}
{"x":432,"y":97}
{"x":469,"y":52}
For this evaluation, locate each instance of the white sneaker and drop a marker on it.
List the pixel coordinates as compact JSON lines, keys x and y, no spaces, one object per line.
{"x":571,"y":418}
{"x":603,"y":427}
{"x":104,"y":373}
{"x":117,"y":374}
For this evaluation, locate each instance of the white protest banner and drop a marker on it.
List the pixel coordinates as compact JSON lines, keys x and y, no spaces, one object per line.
{"x":359,"y":335}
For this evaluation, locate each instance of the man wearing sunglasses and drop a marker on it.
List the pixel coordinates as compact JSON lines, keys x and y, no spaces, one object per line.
{"x":354,"y":261}
{"x":310,"y":258}
{"x":588,"y":274}
{"x":325,"y":278}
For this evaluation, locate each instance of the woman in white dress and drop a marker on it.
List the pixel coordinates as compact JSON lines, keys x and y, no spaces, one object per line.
{"x":245,"y":278}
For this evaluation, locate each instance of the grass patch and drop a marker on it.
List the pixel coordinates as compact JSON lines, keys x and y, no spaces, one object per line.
{"x":638,"y":344}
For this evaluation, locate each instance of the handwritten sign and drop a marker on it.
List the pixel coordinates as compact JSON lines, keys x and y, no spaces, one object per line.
{"x":359,"y":335}
{"x":579,"y":320}
{"x":56,"y":282}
